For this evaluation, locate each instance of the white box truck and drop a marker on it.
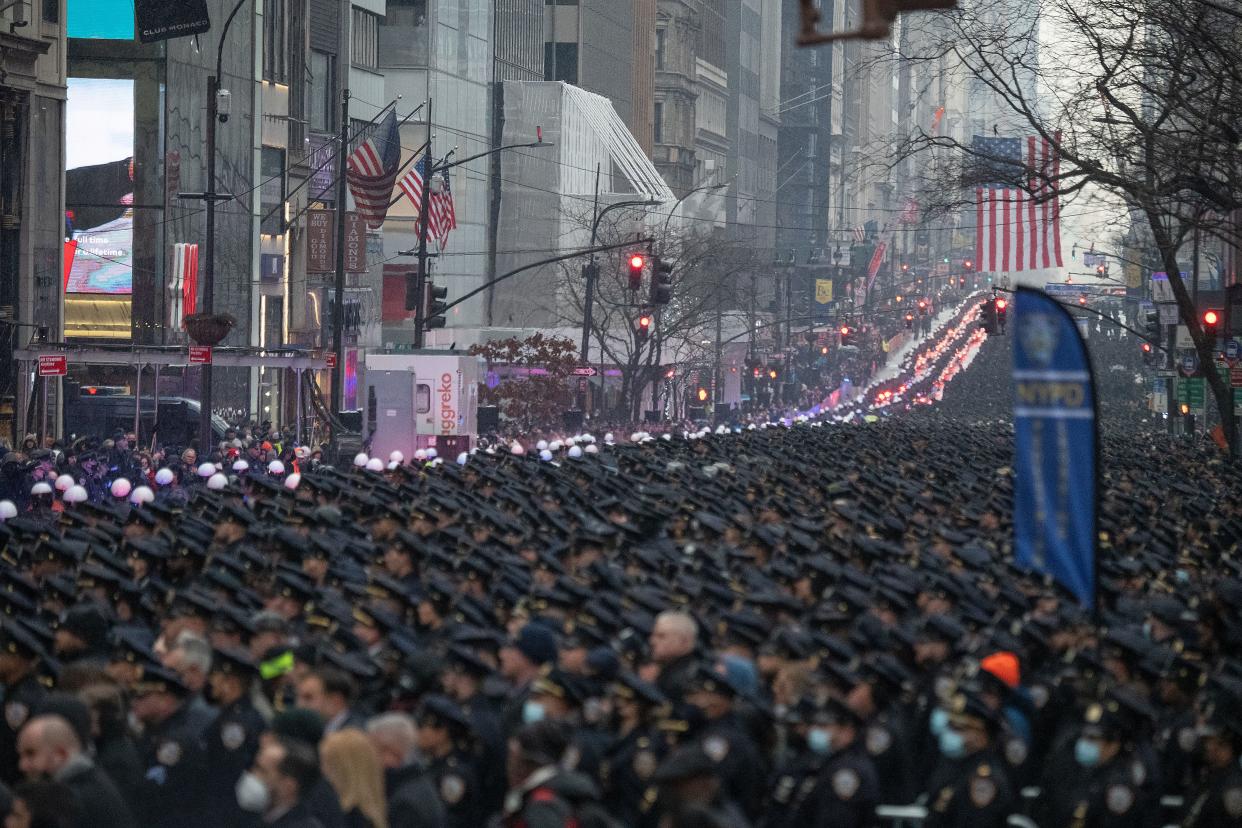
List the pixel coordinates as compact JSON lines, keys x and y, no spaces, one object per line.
{"x":422,"y":399}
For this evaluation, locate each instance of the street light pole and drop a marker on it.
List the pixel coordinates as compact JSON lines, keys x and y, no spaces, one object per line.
{"x":209,"y":243}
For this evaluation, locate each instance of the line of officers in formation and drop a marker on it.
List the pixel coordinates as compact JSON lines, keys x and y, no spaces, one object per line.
{"x":239,"y":657}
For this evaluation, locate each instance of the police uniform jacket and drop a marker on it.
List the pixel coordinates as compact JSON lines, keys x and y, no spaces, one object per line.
{"x":973,"y":792}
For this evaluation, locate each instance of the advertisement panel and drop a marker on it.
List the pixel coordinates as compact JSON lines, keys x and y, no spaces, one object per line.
{"x":99,"y":185}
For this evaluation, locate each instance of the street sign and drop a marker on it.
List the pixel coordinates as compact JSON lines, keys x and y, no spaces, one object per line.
{"x":585,"y":371}
{"x":1191,"y":391}
{"x":1168,"y":313}
{"x":53,"y":365}
{"x":200,"y":355}
{"x":1232,"y":350}
{"x":330,"y":359}
{"x":1166,"y":372}
{"x":1188,"y":362}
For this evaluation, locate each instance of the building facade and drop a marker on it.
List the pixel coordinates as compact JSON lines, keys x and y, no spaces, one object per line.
{"x":32,"y":219}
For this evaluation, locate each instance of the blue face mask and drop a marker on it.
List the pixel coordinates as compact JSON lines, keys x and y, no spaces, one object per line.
{"x":819,"y":741}
{"x":1087,"y":753}
{"x":952,"y":744}
{"x":939,"y":721}
{"x":1147,"y":630}
{"x":1183,"y":577}
{"x":533,"y":712}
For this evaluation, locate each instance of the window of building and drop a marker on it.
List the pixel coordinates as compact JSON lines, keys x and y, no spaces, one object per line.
{"x":51,"y":11}
{"x":659,"y":122}
{"x":272,"y":191}
{"x":365,"y":34}
{"x":561,"y":62}
{"x":406,"y":13}
{"x":275,"y":41}
{"x":322,"y":93}
{"x":660,"y":34}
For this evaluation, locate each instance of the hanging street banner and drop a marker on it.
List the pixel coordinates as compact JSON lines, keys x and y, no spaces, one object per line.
{"x":1055,"y":464}
{"x":823,"y":291}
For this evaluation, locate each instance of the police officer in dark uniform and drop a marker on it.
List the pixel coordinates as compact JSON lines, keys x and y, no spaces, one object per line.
{"x":724,"y":739}
{"x":444,"y":739}
{"x":1217,"y":800}
{"x":804,"y":754}
{"x":631,"y":760}
{"x":874,"y":697}
{"x":232,"y":740}
{"x":846,"y":789}
{"x":463,"y":680}
{"x":173,"y":790}
{"x":20,"y":654}
{"x":969,"y":787}
{"x":1107,"y":790}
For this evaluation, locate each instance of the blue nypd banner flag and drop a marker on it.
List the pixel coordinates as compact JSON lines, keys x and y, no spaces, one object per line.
{"x":1055,"y":461}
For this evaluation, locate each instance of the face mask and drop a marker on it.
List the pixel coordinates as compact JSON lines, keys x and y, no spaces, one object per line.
{"x":252,"y":795}
{"x":819,"y":741}
{"x":939,"y":721}
{"x":532,"y":712}
{"x":1182,"y":576}
{"x":1087,"y":753}
{"x":952,"y":744}
{"x":1147,"y":630}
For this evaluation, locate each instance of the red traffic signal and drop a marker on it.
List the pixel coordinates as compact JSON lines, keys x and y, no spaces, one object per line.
{"x":643,"y":328}
{"x":637,"y":263}
{"x":1211,"y":320}
{"x":1001,"y":304}
{"x":702,"y":395}
{"x":1082,"y":299}
{"x":845,"y":330}
{"x":1146,"y":346}
{"x":968,"y":264}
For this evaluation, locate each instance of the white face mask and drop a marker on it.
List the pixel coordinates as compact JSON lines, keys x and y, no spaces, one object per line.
{"x":252,"y":795}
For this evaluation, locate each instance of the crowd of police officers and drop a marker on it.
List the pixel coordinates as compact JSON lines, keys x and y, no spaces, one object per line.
{"x":780,"y":626}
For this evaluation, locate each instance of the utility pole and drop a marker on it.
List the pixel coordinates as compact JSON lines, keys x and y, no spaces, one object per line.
{"x":211,"y":196}
{"x":338,"y":307}
{"x":424,"y":208}
{"x":591,"y":272}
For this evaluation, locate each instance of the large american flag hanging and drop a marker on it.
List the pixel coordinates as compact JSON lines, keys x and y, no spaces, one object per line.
{"x":412,"y":184}
{"x":1018,"y":227}
{"x":373,"y":169}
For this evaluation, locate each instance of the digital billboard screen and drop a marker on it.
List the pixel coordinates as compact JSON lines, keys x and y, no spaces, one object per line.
{"x":101,"y":19}
{"x":99,"y":185}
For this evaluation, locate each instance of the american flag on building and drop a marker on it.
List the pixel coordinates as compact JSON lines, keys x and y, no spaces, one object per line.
{"x":1018,"y":227}
{"x":372,"y":169}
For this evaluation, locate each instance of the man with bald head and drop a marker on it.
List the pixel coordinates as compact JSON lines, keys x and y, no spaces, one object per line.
{"x":673,"y":641}
{"x":48,"y":748}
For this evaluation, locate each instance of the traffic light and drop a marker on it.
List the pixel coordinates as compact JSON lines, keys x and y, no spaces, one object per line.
{"x":642,"y":328}
{"x":702,"y":394}
{"x":435,"y":307}
{"x":1082,"y":300}
{"x":961,"y":281}
{"x":1002,"y":305}
{"x":1151,"y":325}
{"x":773,"y":373}
{"x":909,"y":321}
{"x":1211,"y":321}
{"x":923,"y":307}
{"x":637,"y":262}
{"x":847,"y":335}
{"x":1101,"y":269}
{"x":661,"y":282}
{"x":987,"y":319}
{"x":968,"y":265}
{"x":905,"y":268}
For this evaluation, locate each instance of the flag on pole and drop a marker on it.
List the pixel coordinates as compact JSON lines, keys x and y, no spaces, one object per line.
{"x":1018,"y":213}
{"x":184,"y":284}
{"x":412,"y":184}
{"x":444,"y":211}
{"x":372,"y":169}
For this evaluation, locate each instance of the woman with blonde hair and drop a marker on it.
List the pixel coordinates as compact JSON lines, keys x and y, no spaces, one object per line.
{"x":352,"y":766}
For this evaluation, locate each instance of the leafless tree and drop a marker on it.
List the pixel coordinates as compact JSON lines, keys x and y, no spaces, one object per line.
{"x":1142,"y":100}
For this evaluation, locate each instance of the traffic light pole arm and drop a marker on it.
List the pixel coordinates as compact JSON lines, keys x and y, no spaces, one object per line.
{"x":590,"y":251}
{"x":448,"y":166}
{"x":1097,"y":313}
